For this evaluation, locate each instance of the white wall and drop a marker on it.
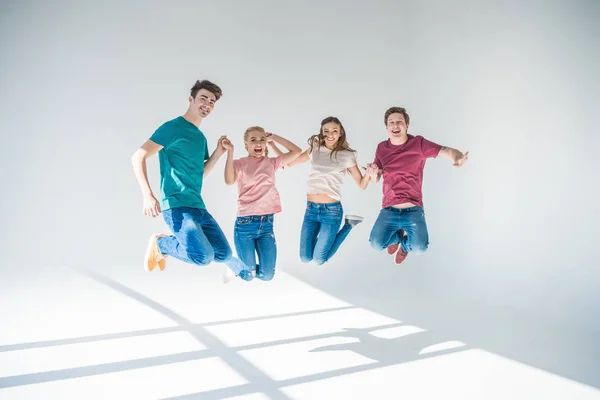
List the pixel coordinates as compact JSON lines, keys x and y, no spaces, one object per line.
{"x":515,"y":83}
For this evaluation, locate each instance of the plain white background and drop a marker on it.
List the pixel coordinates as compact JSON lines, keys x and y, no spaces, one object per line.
{"x":514,"y":83}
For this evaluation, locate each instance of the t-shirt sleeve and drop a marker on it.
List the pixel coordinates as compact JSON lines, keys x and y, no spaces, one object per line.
{"x":237,"y":165}
{"x":377,"y":160}
{"x":206,"y":151}
{"x":429,"y":148}
{"x":164,"y":135}
{"x":277,"y":162}
{"x":351,"y":160}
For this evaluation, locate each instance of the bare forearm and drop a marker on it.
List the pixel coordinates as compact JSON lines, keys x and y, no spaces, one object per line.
{"x":229,"y":171}
{"x":276,"y":149}
{"x":211,"y":162}
{"x":139,"y":169}
{"x":287,"y":144}
{"x":449,"y":153}
{"x":364,"y":182}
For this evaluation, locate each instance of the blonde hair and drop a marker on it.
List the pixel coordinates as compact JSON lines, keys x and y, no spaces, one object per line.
{"x":260,"y":129}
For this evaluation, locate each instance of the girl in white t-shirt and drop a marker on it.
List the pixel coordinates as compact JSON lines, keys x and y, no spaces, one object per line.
{"x":331,"y":158}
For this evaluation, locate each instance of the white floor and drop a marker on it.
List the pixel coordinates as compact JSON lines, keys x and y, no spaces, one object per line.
{"x":79,"y":334}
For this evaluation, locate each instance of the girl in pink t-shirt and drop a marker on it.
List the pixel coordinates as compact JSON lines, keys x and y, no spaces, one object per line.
{"x":331,"y":159}
{"x":258,"y":201}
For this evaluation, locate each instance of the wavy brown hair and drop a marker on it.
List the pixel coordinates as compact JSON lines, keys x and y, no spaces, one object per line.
{"x":342,"y":143}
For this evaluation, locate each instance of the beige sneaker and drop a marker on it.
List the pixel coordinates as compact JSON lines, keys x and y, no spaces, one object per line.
{"x":153,"y":256}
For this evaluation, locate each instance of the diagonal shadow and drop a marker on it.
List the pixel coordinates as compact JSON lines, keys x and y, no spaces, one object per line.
{"x":155,"y":331}
{"x":259,"y":381}
{"x":121,"y":366}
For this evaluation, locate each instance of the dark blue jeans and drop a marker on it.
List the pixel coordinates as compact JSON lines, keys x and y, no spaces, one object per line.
{"x":254,"y":235}
{"x":197,"y":238}
{"x":390,"y":222}
{"x":321,"y":236}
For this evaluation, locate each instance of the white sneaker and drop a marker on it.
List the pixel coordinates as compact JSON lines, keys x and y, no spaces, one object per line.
{"x":354,"y":220}
{"x":228,"y":275}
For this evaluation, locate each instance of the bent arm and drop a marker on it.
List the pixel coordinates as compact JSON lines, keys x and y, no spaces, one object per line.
{"x":293,"y":150}
{"x":138,"y":160}
{"x":361,"y":180}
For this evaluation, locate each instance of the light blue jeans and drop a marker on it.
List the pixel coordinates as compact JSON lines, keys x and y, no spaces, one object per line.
{"x":390,"y":224}
{"x":321,"y":236}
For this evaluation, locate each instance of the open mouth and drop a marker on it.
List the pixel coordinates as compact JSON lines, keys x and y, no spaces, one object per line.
{"x":396,"y":132}
{"x":330,"y":140}
{"x":258,"y":150}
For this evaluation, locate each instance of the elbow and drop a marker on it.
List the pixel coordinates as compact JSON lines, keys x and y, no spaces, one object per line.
{"x":137,"y":157}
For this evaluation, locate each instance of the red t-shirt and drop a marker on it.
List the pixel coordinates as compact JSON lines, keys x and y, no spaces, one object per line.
{"x":402,"y":168}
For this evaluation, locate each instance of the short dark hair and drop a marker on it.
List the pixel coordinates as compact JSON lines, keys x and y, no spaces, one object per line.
{"x":208,"y":85}
{"x":394,"y":110}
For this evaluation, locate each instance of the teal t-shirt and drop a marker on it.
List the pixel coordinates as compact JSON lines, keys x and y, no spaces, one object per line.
{"x":181,"y":163}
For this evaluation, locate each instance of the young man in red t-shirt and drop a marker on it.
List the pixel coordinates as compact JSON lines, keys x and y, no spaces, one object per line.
{"x":401,"y":226}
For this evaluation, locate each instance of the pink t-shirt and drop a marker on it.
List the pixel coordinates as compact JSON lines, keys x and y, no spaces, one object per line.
{"x":257,"y":194}
{"x":402,"y":168}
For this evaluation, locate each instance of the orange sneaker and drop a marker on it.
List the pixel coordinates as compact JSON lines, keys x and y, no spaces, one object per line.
{"x":153,"y":256}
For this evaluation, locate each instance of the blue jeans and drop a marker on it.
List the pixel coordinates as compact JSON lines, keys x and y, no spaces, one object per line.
{"x":254,"y":235}
{"x":321,"y":236}
{"x":390,"y":223}
{"x":197,"y":238}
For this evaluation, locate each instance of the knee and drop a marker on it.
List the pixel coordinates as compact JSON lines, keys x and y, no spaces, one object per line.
{"x":201,"y":259}
{"x":319,"y":260}
{"x":223,"y":255}
{"x":376,"y":244}
{"x":305,"y":259}
{"x":418,"y":247}
{"x":267,"y":277}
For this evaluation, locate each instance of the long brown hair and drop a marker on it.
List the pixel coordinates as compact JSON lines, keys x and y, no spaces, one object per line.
{"x":342,"y":143}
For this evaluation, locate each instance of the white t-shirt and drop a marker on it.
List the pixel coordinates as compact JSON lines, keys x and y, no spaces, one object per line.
{"x":327,"y":172}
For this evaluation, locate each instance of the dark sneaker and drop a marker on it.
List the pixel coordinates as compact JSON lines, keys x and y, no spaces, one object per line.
{"x":354,"y":220}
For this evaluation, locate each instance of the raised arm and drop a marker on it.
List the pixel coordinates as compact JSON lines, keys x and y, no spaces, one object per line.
{"x":230,"y":174}
{"x":151,"y":206}
{"x":214,"y":157}
{"x":293,"y":150}
{"x":457,"y":157}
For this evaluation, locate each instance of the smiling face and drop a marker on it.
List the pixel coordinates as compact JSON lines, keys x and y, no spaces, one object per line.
{"x":203,"y":103}
{"x":331,"y":133}
{"x":396,"y":126}
{"x":255,"y":141}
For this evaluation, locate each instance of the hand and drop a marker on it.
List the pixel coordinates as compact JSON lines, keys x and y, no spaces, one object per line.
{"x":460,"y":159}
{"x":269,"y":137}
{"x":227,"y":145}
{"x":151,"y":206}
{"x":372,"y":170}
{"x":221,"y":149}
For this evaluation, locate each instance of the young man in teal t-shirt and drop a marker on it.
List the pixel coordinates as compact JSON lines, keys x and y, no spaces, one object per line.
{"x":184,"y":161}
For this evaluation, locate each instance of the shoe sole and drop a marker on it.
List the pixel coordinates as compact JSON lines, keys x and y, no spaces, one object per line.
{"x":151,"y":244}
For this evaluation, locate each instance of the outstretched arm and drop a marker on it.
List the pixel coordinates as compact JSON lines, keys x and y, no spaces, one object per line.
{"x":293,"y":150}
{"x":457,"y":157}
{"x":214,"y":157}
{"x":151,"y":206}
